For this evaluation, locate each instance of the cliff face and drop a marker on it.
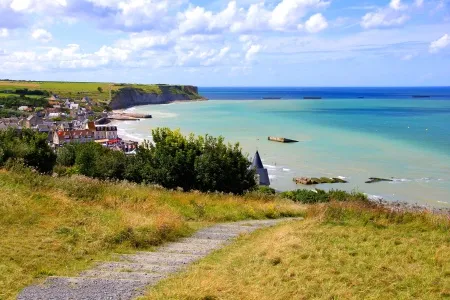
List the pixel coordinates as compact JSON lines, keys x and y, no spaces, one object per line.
{"x":129,"y":96}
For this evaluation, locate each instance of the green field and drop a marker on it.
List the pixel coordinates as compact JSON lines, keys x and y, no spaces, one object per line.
{"x":78,"y":90}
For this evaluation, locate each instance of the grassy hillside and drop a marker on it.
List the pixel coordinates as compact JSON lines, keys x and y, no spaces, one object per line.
{"x":341,"y":251}
{"x":59,"y":226}
{"x":78,"y":90}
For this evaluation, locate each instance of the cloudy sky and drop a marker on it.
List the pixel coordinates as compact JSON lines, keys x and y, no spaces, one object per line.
{"x":228,"y":43}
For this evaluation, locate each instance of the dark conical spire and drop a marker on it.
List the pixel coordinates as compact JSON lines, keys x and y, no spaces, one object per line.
{"x":257,"y":163}
{"x":263,"y":175}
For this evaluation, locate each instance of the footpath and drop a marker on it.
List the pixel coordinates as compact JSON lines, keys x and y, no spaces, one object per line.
{"x":129,"y":277}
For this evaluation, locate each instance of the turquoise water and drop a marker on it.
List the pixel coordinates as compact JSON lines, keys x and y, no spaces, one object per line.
{"x":406,"y":139}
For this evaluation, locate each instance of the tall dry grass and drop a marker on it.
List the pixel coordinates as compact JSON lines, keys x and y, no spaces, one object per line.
{"x":342,"y":250}
{"x":59,"y":226}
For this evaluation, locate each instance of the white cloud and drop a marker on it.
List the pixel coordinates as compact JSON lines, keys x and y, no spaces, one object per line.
{"x":144,"y":40}
{"x":408,"y":57}
{"x":391,"y":15}
{"x":288,"y":12}
{"x":440,"y":44}
{"x":200,"y":56}
{"x":285,"y":16}
{"x":397,"y":5}
{"x":4,"y":32}
{"x":217,"y":58}
{"x":254,"y":19}
{"x":419,"y":3}
{"x":29,"y":6}
{"x":42,"y":35}
{"x":316,"y":23}
{"x":69,"y":57}
{"x":252,"y":51}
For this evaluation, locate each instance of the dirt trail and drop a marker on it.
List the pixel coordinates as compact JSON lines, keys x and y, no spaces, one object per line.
{"x":129,"y":277}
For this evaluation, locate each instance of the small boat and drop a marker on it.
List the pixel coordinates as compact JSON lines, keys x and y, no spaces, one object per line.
{"x":312,"y":98}
{"x":421,"y":96}
{"x":272,"y":98}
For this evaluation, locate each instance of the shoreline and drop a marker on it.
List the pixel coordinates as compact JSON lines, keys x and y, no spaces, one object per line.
{"x":421,"y":187}
{"x":400,"y":206}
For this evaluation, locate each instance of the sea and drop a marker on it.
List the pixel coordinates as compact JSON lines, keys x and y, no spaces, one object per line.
{"x":399,"y":133}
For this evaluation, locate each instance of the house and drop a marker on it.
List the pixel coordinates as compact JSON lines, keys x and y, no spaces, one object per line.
{"x":106,"y":132}
{"x":4,"y":126}
{"x":43,"y":128}
{"x":61,"y":137}
{"x":261,"y":172}
{"x":54,"y":110}
{"x":10,"y":122}
{"x":102,"y":132}
{"x":53,"y":115}
{"x":66,"y":126}
{"x":74,"y":106}
{"x":32,"y":121}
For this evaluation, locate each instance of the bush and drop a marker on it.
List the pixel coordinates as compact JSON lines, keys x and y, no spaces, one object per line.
{"x":320,"y":196}
{"x":93,"y":160}
{"x":174,"y":161}
{"x":192,"y":163}
{"x":28,"y":146}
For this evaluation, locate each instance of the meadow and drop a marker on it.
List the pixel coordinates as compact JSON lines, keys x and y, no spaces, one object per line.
{"x":345,"y":250}
{"x":77,"y":90}
{"x":60,"y":226}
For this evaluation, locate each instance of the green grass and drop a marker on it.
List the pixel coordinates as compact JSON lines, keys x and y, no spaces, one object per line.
{"x":350,"y":250}
{"x":78,"y":90}
{"x":60,"y":226}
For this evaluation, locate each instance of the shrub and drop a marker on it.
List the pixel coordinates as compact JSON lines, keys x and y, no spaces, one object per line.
{"x":28,"y":146}
{"x":199,"y":163}
{"x":174,"y":161}
{"x":320,"y":196}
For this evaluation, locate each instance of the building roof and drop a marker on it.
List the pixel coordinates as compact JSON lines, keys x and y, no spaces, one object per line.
{"x":73,"y":133}
{"x":43,"y":128}
{"x":257,"y":163}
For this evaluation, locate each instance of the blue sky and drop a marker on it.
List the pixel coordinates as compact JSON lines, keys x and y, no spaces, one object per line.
{"x":228,"y":43}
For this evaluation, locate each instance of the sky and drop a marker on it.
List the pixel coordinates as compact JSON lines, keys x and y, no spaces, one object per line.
{"x":228,"y":43}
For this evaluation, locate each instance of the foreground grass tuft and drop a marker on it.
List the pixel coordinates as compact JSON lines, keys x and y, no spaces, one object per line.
{"x":59,"y":226}
{"x":347,"y":250}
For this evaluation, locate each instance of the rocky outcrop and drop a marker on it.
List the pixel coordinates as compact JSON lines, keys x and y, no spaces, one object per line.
{"x":375,"y":180}
{"x":130,"y":96}
{"x":313,"y":181}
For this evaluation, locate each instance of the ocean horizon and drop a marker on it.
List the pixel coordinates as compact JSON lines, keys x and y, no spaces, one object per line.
{"x":354,"y":133}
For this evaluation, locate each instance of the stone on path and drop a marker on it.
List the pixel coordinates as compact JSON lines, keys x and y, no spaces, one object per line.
{"x":129,"y":277}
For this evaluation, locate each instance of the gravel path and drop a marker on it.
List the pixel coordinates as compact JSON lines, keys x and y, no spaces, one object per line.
{"x":128,"y":278}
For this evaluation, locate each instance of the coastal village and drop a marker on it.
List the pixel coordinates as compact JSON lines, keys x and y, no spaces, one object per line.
{"x":71,"y":121}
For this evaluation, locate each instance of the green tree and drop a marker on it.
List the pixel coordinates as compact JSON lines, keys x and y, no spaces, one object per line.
{"x":100,"y":89}
{"x":202,"y":163}
{"x":28,"y":146}
{"x":223,"y":167}
{"x":66,"y":155}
